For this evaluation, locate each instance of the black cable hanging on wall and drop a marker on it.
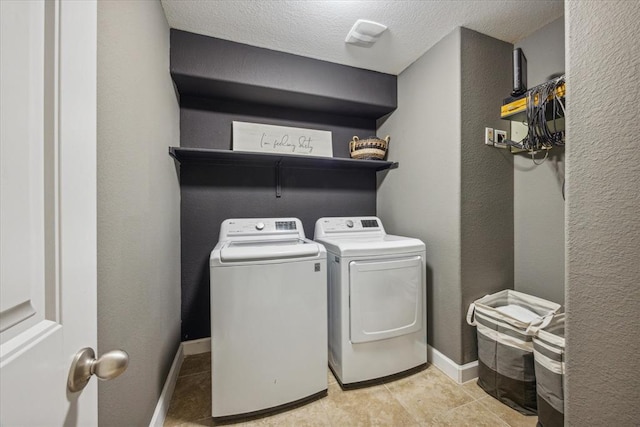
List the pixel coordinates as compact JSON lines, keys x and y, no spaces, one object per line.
{"x":544,"y":106}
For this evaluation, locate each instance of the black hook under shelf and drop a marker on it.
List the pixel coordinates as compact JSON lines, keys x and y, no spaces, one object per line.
{"x":278,"y":176}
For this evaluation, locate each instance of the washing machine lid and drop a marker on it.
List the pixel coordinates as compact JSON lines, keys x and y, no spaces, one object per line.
{"x":264,"y":249}
{"x":387,"y":244}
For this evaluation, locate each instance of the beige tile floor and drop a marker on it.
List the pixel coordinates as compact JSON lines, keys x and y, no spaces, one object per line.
{"x":428,"y":398}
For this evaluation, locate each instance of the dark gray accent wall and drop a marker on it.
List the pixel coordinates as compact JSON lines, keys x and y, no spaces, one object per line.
{"x":206,"y":123}
{"x":221,"y":82}
{"x":486,"y":205}
{"x":213,"y":193}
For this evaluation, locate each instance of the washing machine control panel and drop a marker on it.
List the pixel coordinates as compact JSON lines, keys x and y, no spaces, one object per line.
{"x":286,"y":225}
{"x":258,"y":226}
{"x":369,"y":223}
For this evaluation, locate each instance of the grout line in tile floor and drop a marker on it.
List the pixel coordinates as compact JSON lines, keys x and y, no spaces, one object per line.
{"x":475,"y":399}
{"x":498,"y":415}
{"x":474,"y":402}
{"x":403,"y":405}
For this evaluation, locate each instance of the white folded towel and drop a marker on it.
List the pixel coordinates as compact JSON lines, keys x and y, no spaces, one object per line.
{"x":520,"y":313}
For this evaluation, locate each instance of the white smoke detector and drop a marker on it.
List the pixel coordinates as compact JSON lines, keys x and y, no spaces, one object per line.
{"x":365,"y":33}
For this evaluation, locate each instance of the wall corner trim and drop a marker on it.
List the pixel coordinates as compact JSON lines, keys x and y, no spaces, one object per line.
{"x":458,"y":373}
{"x":162,"y":407}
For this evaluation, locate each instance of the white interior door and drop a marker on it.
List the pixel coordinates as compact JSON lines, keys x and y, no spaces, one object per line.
{"x":48,"y":209}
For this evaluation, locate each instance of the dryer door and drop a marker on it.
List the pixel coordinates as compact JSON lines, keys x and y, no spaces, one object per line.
{"x":386,"y":298}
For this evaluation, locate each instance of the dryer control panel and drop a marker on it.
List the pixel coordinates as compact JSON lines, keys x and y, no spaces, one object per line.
{"x":364,"y":225}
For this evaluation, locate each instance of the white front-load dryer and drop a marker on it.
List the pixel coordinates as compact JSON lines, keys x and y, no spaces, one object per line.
{"x":268,"y":317}
{"x":377,"y":300}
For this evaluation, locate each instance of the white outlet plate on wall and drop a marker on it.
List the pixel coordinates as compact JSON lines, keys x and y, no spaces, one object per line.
{"x":488,"y":136}
{"x":518,"y":131}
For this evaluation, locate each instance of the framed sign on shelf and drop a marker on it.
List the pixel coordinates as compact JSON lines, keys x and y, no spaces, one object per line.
{"x":261,"y":138}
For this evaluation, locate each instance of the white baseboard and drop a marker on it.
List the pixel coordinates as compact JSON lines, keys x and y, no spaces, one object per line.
{"x":160,"y":413}
{"x":186,"y":348}
{"x":203,"y":345}
{"x":459,"y":373}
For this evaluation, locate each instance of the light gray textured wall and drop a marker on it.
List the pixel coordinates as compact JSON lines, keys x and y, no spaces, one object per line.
{"x":422,"y":197}
{"x":451,"y":190}
{"x":603,"y":221}
{"x":538,"y":203}
{"x":138,"y":207}
{"x":486,"y":213}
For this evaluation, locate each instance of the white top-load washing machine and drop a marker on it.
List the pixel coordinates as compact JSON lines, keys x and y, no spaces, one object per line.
{"x":268,"y":317}
{"x":377,"y":300}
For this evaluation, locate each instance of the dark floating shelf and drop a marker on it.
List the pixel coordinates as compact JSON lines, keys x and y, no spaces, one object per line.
{"x":211,"y":68}
{"x":228,"y":157}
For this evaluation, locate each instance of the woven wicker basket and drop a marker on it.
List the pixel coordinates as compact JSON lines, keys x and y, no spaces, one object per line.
{"x":371,"y":148}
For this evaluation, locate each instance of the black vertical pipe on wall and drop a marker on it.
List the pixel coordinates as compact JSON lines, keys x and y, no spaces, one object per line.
{"x":316,"y":98}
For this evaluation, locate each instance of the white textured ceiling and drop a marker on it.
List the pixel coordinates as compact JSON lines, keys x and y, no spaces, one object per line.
{"x":317,"y":29}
